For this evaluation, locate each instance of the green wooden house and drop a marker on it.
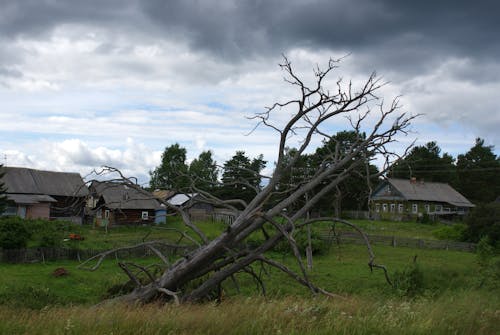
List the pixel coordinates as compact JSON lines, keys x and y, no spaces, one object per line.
{"x":409,"y":199}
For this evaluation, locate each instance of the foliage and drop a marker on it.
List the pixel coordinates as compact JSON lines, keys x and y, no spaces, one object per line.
{"x":454,"y":232}
{"x":32,"y":297}
{"x":479,"y":173}
{"x":484,"y":221}
{"x":426,"y":163}
{"x":3,"y":190}
{"x":171,"y":174}
{"x":353,"y":192}
{"x":241,"y":177}
{"x":47,"y":233}
{"x":13,"y":233}
{"x":203,"y":172}
{"x":410,"y":281}
{"x":318,"y":245}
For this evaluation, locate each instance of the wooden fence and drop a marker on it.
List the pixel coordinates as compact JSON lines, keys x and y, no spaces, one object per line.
{"x":35,"y":255}
{"x":395,"y":241}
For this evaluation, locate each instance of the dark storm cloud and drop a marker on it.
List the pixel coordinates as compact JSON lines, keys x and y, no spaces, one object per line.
{"x":392,"y":36}
{"x":36,"y":17}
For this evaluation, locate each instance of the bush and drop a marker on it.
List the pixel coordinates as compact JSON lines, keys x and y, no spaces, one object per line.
{"x":410,"y":281}
{"x":32,"y":297}
{"x":318,"y":245}
{"x":454,"y":232}
{"x":47,"y":234}
{"x":484,"y":220}
{"x":13,"y":233}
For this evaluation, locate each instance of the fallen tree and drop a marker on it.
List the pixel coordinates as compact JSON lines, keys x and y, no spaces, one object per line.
{"x":198,"y":275}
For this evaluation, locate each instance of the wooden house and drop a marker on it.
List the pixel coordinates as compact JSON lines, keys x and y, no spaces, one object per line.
{"x":406,"y":199}
{"x":115,"y":203}
{"x":44,"y":194}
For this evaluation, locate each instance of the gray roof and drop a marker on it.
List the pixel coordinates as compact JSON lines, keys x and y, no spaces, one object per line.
{"x":30,"y":181}
{"x":29,"y":199}
{"x":117,"y":195}
{"x":423,"y":191}
{"x":181,"y":198}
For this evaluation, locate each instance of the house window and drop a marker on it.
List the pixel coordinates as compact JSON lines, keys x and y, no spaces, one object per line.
{"x":447,"y":209}
{"x":106,"y":214}
{"x":427,"y":208}
{"x":401,"y":208}
{"x":10,"y":211}
{"x":377,"y":208}
{"x":393,"y":208}
{"x":414,"y":208}
{"x":438,"y":208}
{"x":145,"y":215}
{"x":384,"y":208}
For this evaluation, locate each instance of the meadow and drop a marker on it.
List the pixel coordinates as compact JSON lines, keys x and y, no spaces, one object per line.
{"x":442,"y":292}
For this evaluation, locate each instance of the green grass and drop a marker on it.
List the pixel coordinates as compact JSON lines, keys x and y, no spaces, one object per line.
{"x":392,"y":228}
{"x":454,"y":297}
{"x":465,"y":313}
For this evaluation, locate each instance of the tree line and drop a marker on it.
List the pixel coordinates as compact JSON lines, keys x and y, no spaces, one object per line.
{"x":475,"y":174}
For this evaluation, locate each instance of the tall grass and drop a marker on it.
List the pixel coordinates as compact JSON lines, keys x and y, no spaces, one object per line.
{"x":462,"y":313}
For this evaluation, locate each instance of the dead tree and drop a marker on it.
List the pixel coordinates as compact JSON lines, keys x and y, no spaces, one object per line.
{"x":199,"y":274}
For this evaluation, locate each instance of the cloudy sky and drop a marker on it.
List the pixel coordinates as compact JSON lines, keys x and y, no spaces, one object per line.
{"x":91,"y":83}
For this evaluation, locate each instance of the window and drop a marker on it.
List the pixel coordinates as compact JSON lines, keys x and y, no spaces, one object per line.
{"x":384,"y":208}
{"x":427,"y":208}
{"x":377,"y":208}
{"x":447,"y":209}
{"x":106,"y":214}
{"x":401,"y":208}
{"x":145,"y":215}
{"x":438,"y":208}
{"x":414,"y":208}
{"x":393,"y":208}
{"x":10,"y":211}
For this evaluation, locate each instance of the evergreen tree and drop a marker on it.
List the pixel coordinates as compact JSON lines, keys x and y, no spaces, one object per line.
{"x":426,"y":163}
{"x":241,"y":177}
{"x":479,"y":173}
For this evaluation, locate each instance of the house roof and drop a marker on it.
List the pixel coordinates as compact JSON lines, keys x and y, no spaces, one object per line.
{"x":29,"y":199}
{"x":30,"y":181}
{"x":423,"y":191}
{"x":181,"y":198}
{"x":120,"y":196}
{"x":163,"y":194}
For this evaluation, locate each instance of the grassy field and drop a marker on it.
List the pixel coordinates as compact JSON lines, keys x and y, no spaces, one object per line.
{"x":467,"y":313}
{"x":120,"y":236}
{"x":454,"y":294}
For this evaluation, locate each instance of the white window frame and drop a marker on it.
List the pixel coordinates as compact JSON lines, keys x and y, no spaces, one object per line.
{"x":414,"y":208}
{"x":106,"y":213}
{"x":438,"y":208}
{"x":377,"y":208}
{"x":392,"y":208}
{"x":401,"y":208}
{"x":384,"y":208}
{"x":145,"y":215}
{"x":427,"y":208}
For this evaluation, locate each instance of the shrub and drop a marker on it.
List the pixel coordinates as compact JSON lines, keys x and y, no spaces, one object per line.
{"x":13,"y":233}
{"x":318,"y":245}
{"x":32,"y":297}
{"x":47,"y":233}
{"x":410,"y":281}
{"x":454,"y":232}
{"x":484,"y":220}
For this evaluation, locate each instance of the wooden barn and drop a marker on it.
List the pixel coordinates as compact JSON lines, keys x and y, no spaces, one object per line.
{"x":117,"y":204}
{"x":45,"y":194}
